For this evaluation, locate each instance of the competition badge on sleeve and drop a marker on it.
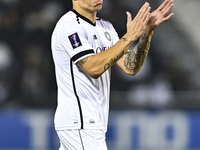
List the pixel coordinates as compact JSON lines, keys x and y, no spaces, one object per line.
{"x":75,"y":41}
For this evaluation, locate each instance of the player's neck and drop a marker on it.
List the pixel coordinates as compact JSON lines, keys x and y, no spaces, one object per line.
{"x":89,"y":15}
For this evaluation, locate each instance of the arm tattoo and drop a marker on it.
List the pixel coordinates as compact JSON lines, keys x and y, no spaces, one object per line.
{"x":124,"y":39}
{"x":113,"y":61}
{"x":135,"y":59}
{"x":82,"y":61}
{"x":131,"y":60}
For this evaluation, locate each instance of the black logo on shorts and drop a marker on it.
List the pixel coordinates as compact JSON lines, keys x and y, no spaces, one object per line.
{"x":75,"y":40}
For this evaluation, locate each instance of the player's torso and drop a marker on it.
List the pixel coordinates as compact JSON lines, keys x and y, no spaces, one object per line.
{"x":93,"y":93}
{"x":100,"y":39}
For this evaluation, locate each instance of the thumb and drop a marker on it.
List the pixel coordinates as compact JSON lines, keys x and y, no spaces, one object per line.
{"x":129,"y":17}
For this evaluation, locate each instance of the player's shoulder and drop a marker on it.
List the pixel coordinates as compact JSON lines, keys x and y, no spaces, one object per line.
{"x":67,"y":21}
{"x":68,"y":18}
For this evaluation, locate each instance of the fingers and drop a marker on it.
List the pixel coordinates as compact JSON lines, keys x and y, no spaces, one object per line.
{"x":129,"y":17}
{"x":162,"y":5}
{"x":147,"y":15}
{"x":137,"y":26}
{"x":143,"y":8}
{"x":168,"y":17}
{"x":167,"y":8}
{"x":143,"y":14}
{"x":144,"y":11}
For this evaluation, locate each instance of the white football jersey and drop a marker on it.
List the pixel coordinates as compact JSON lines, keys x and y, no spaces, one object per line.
{"x":83,"y":102}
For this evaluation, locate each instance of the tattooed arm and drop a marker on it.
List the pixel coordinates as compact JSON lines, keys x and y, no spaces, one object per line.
{"x":132,"y":61}
{"x":97,"y":64}
{"x":129,"y":61}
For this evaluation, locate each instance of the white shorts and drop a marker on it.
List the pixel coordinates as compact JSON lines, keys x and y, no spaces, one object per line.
{"x":82,"y":140}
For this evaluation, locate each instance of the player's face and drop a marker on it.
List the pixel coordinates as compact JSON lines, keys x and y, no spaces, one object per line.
{"x":91,"y":5}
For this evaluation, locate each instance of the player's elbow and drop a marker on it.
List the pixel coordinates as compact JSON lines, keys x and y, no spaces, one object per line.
{"x":94,"y":73}
{"x":133,"y":73}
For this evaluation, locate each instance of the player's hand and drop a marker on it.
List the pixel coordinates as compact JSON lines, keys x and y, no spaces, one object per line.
{"x":137,"y":26}
{"x":160,"y":15}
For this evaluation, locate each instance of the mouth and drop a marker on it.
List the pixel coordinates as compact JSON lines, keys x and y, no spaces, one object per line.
{"x":97,"y":2}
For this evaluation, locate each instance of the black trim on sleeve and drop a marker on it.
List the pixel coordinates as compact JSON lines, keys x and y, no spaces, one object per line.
{"x":77,"y":56}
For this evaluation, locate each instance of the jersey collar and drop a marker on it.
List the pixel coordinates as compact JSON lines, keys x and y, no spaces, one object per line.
{"x":84,"y":18}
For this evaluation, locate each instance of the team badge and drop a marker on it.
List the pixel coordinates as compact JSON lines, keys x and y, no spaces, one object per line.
{"x":75,"y":40}
{"x":107,"y":35}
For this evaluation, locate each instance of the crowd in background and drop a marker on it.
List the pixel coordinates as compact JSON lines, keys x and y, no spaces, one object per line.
{"x":27,"y":77}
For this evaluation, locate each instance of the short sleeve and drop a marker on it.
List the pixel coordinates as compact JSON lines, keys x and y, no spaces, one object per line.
{"x":115,"y":36}
{"x":73,"y":39}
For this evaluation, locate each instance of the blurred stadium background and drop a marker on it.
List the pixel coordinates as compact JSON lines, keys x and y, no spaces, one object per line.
{"x":159,"y":108}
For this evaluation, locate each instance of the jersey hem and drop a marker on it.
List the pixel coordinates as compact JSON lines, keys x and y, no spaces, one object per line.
{"x":76,"y":128}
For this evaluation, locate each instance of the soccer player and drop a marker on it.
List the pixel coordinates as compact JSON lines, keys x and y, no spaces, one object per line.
{"x":84,"y":49}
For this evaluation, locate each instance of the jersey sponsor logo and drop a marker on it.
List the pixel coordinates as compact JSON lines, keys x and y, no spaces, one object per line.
{"x":101,"y":49}
{"x":107,"y":35}
{"x":75,"y":40}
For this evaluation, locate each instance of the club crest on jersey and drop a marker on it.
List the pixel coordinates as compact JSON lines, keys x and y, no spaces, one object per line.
{"x":75,"y":40}
{"x":107,"y":35}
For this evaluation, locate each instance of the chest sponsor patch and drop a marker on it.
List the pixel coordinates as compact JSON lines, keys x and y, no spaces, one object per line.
{"x":75,"y":40}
